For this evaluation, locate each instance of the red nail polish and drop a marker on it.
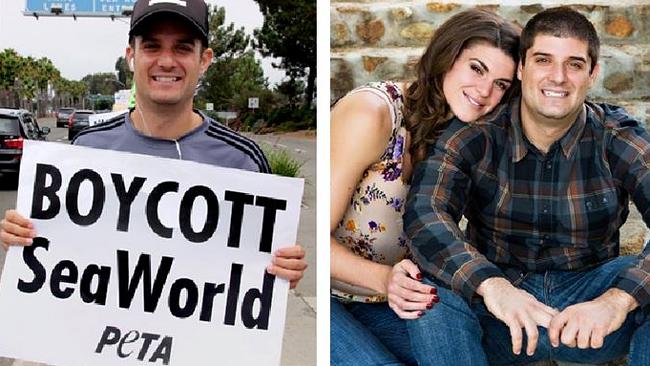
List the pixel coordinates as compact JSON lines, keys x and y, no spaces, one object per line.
{"x":435,"y":299}
{"x":418,"y":276}
{"x":420,"y":313}
{"x":430,"y":305}
{"x":434,"y":291}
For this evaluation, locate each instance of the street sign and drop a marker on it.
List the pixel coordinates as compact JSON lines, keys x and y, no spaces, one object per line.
{"x":253,"y":103}
{"x":79,"y":8}
{"x":209,"y":106}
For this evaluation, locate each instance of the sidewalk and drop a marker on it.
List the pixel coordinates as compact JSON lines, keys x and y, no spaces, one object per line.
{"x":299,"y":345}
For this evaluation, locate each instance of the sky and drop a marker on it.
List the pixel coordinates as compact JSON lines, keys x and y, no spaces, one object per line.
{"x":91,"y":45}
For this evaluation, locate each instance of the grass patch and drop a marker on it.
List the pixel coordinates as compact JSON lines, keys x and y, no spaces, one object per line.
{"x":282,"y":163}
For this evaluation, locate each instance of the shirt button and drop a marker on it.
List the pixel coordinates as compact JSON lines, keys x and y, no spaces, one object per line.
{"x":549,"y":165}
{"x":546,"y":236}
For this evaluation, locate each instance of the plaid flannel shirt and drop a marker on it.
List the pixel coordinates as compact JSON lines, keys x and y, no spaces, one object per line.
{"x":529,"y":211}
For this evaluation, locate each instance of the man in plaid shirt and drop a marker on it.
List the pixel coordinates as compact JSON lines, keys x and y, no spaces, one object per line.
{"x":545,"y":183}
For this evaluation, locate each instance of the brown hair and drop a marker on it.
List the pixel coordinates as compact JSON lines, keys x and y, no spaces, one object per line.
{"x":426,"y":109}
{"x":561,"y":22}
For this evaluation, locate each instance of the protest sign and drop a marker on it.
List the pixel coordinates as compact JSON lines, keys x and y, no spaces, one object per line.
{"x":146,"y":261}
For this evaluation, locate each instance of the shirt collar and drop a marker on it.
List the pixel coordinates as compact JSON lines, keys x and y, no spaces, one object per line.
{"x":520,"y":146}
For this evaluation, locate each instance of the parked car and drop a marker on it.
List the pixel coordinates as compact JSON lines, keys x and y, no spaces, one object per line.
{"x":78,"y":121}
{"x":16,"y":125}
{"x":62,"y":116}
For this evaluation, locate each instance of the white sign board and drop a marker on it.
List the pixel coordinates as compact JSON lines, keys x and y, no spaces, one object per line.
{"x":253,"y":103}
{"x":146,"y":261}
{"x":209,"y":106}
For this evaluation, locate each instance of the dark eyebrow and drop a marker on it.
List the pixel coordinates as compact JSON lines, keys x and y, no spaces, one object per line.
{"x":574,"y":58}
{"x":187,"y":41}
{"x":483,"y":65}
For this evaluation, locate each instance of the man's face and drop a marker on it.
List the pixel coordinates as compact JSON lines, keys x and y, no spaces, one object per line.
{"x":555,"y":78}
{"x":167,"y":62}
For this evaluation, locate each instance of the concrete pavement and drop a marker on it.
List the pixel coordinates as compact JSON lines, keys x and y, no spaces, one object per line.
{"x":299,"y":344}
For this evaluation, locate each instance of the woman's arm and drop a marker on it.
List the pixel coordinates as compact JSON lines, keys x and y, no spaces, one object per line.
{"x":359,"y":133}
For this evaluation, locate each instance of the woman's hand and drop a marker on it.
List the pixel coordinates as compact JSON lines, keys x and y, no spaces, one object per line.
{"x":407,"y":296}
{"x":288,"y":263}
{"x":16,"y":230}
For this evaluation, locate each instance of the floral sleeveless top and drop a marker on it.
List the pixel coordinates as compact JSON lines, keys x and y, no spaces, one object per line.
{"x":372,"y":225}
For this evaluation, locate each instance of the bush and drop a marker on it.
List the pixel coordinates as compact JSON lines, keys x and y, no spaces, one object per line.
{"x":282,"y":163}
{"x":289,"y":118}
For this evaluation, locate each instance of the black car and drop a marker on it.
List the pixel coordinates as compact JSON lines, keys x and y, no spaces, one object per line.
{"x":16,"y":125}
{"x":62,"y":116}
{"x":77,"y":122}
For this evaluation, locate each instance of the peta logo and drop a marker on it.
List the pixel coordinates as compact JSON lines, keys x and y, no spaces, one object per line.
{"x":177,"y":2}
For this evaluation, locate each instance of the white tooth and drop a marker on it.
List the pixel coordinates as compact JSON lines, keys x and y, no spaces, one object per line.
{"x":473,"y":101}
{"x":549,"y":93}
{"x":165,"y":79}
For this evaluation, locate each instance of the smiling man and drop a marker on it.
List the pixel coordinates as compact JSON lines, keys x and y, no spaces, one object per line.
{"x":168,"y":52}
{"x":545,"y":184}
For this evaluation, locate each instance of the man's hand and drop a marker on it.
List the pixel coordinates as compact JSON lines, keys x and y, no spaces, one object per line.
{"x":16,"y":230}
{"x":587,"y":324}
{"x":288,"y":263}
{"x":518,"y":309}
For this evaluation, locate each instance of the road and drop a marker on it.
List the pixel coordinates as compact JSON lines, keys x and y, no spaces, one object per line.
{"x":299,"y":343}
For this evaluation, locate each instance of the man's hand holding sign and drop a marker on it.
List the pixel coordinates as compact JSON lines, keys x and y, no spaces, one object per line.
{"x":142,"y":260}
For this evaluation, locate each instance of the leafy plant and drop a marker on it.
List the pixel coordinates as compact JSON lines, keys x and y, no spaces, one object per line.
{"x":282,"y":163}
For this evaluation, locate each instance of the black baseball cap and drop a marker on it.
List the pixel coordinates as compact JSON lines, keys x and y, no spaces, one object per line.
{"x":195,"y":11}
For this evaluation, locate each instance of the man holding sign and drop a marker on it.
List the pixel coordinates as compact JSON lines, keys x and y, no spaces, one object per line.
{"x":168,"y":52}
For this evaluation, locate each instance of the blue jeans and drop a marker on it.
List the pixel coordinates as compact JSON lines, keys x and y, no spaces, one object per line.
{"x":457,"y":333}
{"x":367,"y":334}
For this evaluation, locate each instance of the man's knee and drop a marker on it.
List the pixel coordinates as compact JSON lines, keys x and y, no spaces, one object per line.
{"x":451,"y":313}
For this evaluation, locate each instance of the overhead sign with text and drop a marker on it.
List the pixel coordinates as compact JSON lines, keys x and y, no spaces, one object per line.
{"x":79,"y":7}
{"x":146,"y":261}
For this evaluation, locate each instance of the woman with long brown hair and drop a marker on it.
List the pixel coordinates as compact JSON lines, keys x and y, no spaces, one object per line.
{"x":378,"y":132}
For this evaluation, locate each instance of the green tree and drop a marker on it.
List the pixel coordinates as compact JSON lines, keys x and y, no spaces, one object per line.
{"x":26,"y":83}
{"x":46,"y":74}
{"x":234,"y":72}
{"x":78,"y":90}
{"x":10,"y":63}
{"x":291,"y":90}
{"x":104,"y":83}
{"x":289,"y":33}
{"x":124,"y":74}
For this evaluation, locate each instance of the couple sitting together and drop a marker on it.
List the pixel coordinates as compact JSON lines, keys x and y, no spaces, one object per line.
{"x":496,"y":128}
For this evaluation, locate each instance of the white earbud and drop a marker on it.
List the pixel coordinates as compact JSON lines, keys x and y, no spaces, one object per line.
{"x":131,"y":67}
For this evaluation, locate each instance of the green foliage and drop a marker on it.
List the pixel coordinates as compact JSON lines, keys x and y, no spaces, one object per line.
{"x":282,"y":163}
{"x":124,"y":74}
{"x":289,"y":33}
{"x":98,"y":101}
{"x":291,"y":90}
{"x":105,"y":83}
{"x":10,"y":63}
{"x":234,"y":74}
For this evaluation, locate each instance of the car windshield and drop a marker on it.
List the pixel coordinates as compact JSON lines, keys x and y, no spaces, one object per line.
{"x":66,"y":110}
{"x":9,"y":126}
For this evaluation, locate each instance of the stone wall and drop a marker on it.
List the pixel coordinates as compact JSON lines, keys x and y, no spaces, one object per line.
{"x":382,"y":40}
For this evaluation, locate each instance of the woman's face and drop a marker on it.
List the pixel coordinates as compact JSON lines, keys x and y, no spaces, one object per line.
{"x":477,"y":80}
